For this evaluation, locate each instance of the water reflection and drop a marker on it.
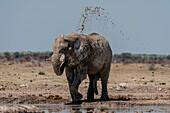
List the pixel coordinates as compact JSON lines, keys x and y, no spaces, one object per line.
{"x":98,"y":109}
{"x":47,"y":108}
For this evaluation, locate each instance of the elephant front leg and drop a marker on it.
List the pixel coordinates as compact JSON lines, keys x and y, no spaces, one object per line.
{"x":74,"y":83}
{"x":76,"y":96}
{"x":70,"y":78}
{"x":80,"y":73}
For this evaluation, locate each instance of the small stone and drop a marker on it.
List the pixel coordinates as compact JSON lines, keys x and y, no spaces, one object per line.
{"x":145,"y":83}
{"x":10,"y":95}
{"x":118,"y":88}
{"x":163,"y":109}
{"x":33,"y":95}
{"x":124,"y":85}
{"x":162,"y":83}
{"x":40,"y":95}
{"x":150,"y":110}
{"x":24,"y":85}
{"x":2,"y":88}
{"x":143,"y":78}
{"x":50,"y":96}
{"x":160,"y":89}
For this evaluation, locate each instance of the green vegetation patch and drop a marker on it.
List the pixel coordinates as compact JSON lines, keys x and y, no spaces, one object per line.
{"x":152,"y":80}
{"x":41,"y":73}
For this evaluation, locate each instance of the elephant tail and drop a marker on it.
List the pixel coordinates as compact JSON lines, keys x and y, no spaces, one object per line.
{"x":95,"y":84}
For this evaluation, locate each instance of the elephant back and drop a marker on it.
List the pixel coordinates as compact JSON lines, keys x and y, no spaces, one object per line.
{"x":100,"y":52}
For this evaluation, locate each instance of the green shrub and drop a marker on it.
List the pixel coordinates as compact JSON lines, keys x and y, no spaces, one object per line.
{"x":41,"y":73}
{"x":168,"y":57}
{"x":152,"y":80}
{"x":16,"y":54}
{"x":35,"y":54}
{"x":6,"y":53}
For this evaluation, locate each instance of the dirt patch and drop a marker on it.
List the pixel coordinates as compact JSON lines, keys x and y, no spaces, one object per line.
{"x":19,"y":109}
{"x":128,"y":85}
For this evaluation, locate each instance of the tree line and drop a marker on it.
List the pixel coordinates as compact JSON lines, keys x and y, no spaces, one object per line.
{"x":116,"y":58}
{"x":141,"y":58}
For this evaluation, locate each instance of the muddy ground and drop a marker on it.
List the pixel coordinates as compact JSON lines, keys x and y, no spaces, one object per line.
{"x":128,"y":85}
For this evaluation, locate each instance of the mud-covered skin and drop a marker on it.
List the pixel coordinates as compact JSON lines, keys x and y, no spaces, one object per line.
{"x":81,"y":55}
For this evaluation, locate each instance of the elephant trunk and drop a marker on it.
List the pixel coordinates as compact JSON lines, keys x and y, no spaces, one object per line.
{"x":57,"y":70}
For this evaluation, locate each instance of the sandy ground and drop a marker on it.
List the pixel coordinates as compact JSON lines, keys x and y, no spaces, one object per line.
{"x":128,"y":85}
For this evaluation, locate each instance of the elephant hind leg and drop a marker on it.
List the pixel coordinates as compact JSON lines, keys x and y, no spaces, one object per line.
{"x":90,"y":93}
{"x":92,"y":86}
{"x":96,"y":78}
{"x":104,"y":79}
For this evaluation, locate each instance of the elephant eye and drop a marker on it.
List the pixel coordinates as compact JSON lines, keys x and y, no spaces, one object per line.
{"x":62,"y":50}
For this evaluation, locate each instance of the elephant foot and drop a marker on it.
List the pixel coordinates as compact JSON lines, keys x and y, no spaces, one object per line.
{"x":90,"y":96}
{"x":104,"y":97}
{"x":77,"y":97}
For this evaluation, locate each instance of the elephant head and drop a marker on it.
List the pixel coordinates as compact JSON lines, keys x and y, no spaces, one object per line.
{"x":69,"y":50}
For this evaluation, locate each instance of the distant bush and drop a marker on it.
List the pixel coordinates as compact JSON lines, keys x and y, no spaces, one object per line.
{"x":126,"y":55}
{"x":168,"y":57}
{"x":6,"y":53}
{"x":35,"y":54}
{"x":16,"y":54}
{"x":43,"y":57}
{"x":125,"y":58}
{"x":41,"y":73}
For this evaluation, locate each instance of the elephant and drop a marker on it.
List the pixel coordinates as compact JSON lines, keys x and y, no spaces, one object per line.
{"x":81,"y":55}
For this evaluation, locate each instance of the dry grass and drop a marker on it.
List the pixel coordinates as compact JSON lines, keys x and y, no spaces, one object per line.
{"x":19,"y":83}
{"x":138,"y":74}
{"x":133,"y":74}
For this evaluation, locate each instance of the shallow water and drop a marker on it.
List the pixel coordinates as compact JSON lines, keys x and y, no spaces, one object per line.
{"x":98,"y":109}
{"x":47,"y":108}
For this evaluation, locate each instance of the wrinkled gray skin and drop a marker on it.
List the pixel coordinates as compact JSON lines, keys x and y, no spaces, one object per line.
{"x":81,"y":55}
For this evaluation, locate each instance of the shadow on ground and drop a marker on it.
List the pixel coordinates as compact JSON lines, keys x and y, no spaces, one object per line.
{"x":96,"y":100}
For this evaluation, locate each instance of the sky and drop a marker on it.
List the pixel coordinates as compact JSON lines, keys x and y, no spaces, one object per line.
{"x":140,"y":26}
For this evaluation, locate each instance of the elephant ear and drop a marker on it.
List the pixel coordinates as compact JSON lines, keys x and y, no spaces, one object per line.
{"x":81,"y":50}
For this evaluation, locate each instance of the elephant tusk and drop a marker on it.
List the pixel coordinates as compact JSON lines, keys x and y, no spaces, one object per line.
{"x":48,"y":59}
{"x":61,"y":63}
